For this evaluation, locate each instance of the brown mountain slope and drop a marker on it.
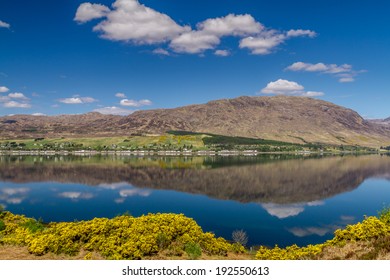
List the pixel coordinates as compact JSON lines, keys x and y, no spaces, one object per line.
{"x":292,"y":119}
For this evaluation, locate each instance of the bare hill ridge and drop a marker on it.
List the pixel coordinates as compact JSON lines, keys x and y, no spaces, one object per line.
{"x":284,"y":118}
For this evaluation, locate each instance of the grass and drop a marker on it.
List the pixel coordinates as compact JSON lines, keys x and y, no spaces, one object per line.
{"x":162,"y":142}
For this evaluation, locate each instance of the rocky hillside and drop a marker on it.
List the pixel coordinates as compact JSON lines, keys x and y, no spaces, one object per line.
{"x":290,"y":119}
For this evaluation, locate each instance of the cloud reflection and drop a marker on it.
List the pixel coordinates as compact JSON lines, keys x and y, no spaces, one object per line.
{"x":322,"y":230}
{"x":15,"y":196}
{"x":125,"y":190}
{"x":76,"y":195}
{"x":283,"y":211}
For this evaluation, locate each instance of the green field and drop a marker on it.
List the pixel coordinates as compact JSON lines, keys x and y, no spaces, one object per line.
{"x":173,"y":140}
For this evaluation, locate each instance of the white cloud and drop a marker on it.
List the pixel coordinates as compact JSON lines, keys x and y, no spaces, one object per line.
{"x":71,"y":100}
{"x":301,"y":33}
{"x":15,"y":104}
{"x":161,"y":51}
{"x":21,"y":100}
{"x":88,"y":99}
{"x":77,"y":100}
{"x":194,"y":42}
{"x":18,"y":95}
{"x":88,"y":11}
{"x":285,"y":87}
{"x":120,"y":95}
{"x":222,"y":53}
{"x":3,"y":89}
{"x":282,"y":86}
{"x":209,"y":32}
{"x":38,"y":114}
{"x":4,"y":24}
{"x":131,"y":21}
{"x":262,"y":45}
{"x":114,"y":111}
{"x":346,"y":80}
{"x":301,"y":66}
{"x":134,"y":103}
{"x":231,"y":25}
{"x":344,"y":72}
{"x":4,"y":99}
{"x":268,"y":40}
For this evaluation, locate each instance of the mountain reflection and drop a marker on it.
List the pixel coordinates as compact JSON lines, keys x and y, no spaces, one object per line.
{"x":294,"y":183}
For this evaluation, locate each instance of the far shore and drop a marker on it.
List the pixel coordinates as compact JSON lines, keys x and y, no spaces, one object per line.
{"x":173,"y":152}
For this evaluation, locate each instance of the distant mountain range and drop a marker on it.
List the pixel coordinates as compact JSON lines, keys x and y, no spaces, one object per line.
{"x":283,"y":118}
{"x":383,"y":122}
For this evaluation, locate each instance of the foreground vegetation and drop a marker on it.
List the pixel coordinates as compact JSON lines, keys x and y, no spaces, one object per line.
{"x":367,"y":240}
{"x":173,"y":140}
{"x":174,"y":236}
{"x":123,"y":237}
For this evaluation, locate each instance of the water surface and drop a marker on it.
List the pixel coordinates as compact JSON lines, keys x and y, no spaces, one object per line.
{"x":276,"y":199}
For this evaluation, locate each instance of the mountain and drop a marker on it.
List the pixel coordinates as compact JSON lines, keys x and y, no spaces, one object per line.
{"x":284,"y":118}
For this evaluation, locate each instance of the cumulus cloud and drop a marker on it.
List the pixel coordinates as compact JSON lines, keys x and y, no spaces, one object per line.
{"x":344,"y":72}
{"x":4,"y":24}
{"x":4,"y":99}
{"x":16,"y":104}
{"x":194,"y":42}
{"x":88,"y":11}
{"x":18,"y":95}
{"x":14,"y":100}
{"x":77,"y":100}
{"x":135,"y":103}
{"x":3,"y":89}
{"x":268,"y":40}
{"x":130,"y":21}
{"x":209,"y":32}
{"x":114,"y":111}
{"x":285,"y":87}
{"x":301,"y":33}
{"x":231,"y":25}
{"x":222,"y":53}
{"x":161,"y":51}
{"x":120,"y":95}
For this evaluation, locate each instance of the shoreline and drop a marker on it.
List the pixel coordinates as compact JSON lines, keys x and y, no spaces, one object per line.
{"x":189,"y":153}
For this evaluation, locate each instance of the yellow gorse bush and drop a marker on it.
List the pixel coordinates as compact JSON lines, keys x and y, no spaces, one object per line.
{"x":370,"y":228}
{"x":122,"y":237}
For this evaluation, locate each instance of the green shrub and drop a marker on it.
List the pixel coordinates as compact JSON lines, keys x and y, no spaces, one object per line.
{"x":384,"y":215}
{"x":2,"y":225}
{"x":193,"y":250}
{"x":33,"y":225}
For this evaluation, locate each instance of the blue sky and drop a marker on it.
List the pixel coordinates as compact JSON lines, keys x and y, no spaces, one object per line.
{"x":71,"y":57}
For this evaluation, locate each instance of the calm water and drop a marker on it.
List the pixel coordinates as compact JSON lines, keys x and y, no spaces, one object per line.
{"x":275,"y":199}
